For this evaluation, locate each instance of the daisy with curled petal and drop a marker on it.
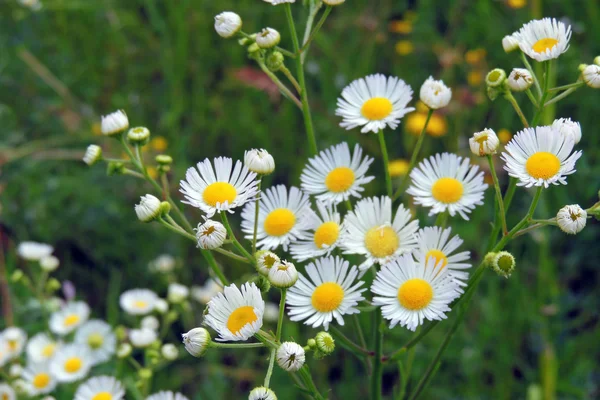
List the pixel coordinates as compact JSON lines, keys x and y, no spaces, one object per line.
{"x":69,"y":318}
{"x":167,"y":396}
{"x":283,"y":217}
{"x":100,"y":339}
{"x":236,"y":314}
{"x":100,"y":388}
{"x":410,"y":292}
{"x":329,"y":291}
{"x":374,"y":102}
{"x":447,"y":182}
{"x":38,"y":379}
{"x":325,"y":230}
{"x":540,"y":156}
{"x":436,"y":243}
{"x":370,"y":230}
{"x":544,"y":39}
{"x":220,"y":189}
{"x":334,"y":175}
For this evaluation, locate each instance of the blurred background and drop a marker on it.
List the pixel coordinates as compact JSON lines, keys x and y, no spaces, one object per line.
{"x":532,"y":336}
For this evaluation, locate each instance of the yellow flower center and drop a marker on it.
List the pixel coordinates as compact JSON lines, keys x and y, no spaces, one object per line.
{"x":542,"y":165}
{"x":240,"y":317}
{"x":269,"y":261}
{"x":48,"y":350}
{"x":71,"y":320}
{"x":73,"y":365}
{"x":219,"y":192}
{"x":544,"y":44}
{"x":415,"y":294}
{"x":140,"y":304}
{"x":95,"y":340}
{"x":339,"y":179}
{"x":382,"y":241}
{"x":5,"y":396}
{"x":447,"y":190}
{"x":326,"y":234}
{"x":41,"y":380}
{"x":102,"y":396}
{"x":398,"y":168}
{"x":376,"y":108}
{"x":327,"y":297}
{"x":279,"y":222}
{"x":12,"y":345}
{"x":439,"y":256}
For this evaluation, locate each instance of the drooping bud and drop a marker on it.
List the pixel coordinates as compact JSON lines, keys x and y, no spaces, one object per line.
{"x":92,"y":155}
{"x":290,"y":356}
{"x":227,"y":24}
{"x":196,"y":341}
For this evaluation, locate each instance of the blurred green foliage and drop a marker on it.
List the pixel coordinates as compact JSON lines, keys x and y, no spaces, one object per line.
{"x":64,"y":66}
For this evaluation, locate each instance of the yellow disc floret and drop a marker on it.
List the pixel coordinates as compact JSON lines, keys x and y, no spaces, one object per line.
{"x":73,"y":365}
{"x":447,"y":190}
{"x":382,"y":241}
{"x":544,"y":44}
{"x":415,"y":294}
{"x":542,"y":165}
{"x":240,"y":317}
{"x":41,"y":380}
{"x":327,"y":297}
{"x":219,"y":192}
{"x":339,"y":179}
{"x":102,"y":396}
{"x":71,"y":320}
{"x":376,"y":108}
{"x":438,"y":255}
{"x":326,"y":234}
{"x":279,"y":222}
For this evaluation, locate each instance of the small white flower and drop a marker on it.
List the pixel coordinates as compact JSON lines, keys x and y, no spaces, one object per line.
{"x":114,"y":123}
{"x":15,"y":371}
{"x":228,"y":24}
{"x":150,"y":322}
{"x":571,"y":219}
{"x":41,"y":348}
{"x":7,"y":392}
{"x":520,"y":79}
{"x":71,"y":363}
{"x":139,"y":134}
{"x":544,"y":39}
{"x":290,"y":356}
{"x":267,"y":38}
{"x":167,"y":396}
{"x":333,"y":2}
{"x":510,"y":43}
{"x":210,"y":234}
{"x":259,"y":161}
{"x":196,"y":341}
{"x":69,"y":318}
{"x":49,"y":263}
{"x":325,"y":233}
{"x":203,"y":294}
{"x":99,"y":338}
{"x":261,"y":392}
{"x":100,"y":388}
{"x":161,"y":306}
{"x":484,"y":143}
{"x":169,"y":352}
{"x":14,"y":340}
{"x":92,"y":155}
{"x":148,"y":209}
{"x":143,"y":337}
{"x":283,"y":275}
{"x":38,"y":380}
{"x":34,"y":251}
{"x":177,"y":293}
{"x":124,"y":350}
{"x":276,"y":2}
{"x":164,"y":263}
{"x":138,"y":301}
{"x":591,"y":76}
{"x":435,"y":94}
{"x":568,"y":128}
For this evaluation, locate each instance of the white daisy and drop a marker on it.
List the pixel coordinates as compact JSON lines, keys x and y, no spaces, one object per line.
{"x":14,"y":340}
{"x":329,"y":290}
{"x":236,"y":314}
{"x":540,"y":156}
{"x":138,"y":301}
{"x":71,"y":363}
{"x":370,"y":230}
{"x":38,"y":379}
{"x":374,"y":102}
{"x":167,"y":396}
{"x":177,"y":293}
{"x":410,"y":292}
{"x":34,"y":251}
{"x":100,"y":339}
{"x":435,"y":242}
{"x":334,"y":175}
{"x":143,"y":337}
{"x":100,"y":388}
{"x":41,"y":348}
{"x":282,"y":217}
{"x":7,"y":392}
{"x":544,"y":39}
{"x":218,"y":189}
{"x":325,"y":232}
{"x":203,"y":294}
{"x":447,"y":182}
{"x":69,"y":318}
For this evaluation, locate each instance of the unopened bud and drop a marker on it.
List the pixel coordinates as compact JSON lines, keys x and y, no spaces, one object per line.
{"x":495,"y":78}
{"x":115,"y":168}
{"x":274,"y":61}
{"x":503,"y":263}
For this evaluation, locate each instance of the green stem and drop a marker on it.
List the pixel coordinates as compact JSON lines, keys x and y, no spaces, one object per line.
{"x":177,"y":230}
{"x":291,"y":78}
{"x":397,"y":354}
{"x":361,"y":338}
{"x":232,"y":255}
{"x":565,"y":87}
{"x":542,"y":102}
{"x":127,"y":171}
{"x":303,"y":95}
{"x":316,"y":29}
{"x":498,"y":194}
{"x":348,"y":205}
{"x":270,"y":369}
{"x":508,"y":96}
{"x":281,"y":314}
{"x":535,"y":79}
{"x":442,"y":219}
{"x":377,"y":376}
{"x":561,"y":96}
{"x":213,"y":265}
{"x":308,"y":380}
{"x":284,"y":89}
{"x":413,"y":158}
{"x":386,"y":163}
{"x":235,"y":345}
{"x":256,"y":208}
{"x":349,"y":344}
{"x":236,"y":243}
{"x":532,"y":98}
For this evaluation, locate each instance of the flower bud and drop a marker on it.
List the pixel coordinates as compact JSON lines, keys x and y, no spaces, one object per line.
{"x":268,"y":38}
{"x":571,"y":219}
{"x":49,"y":263}
{"x":290,"y":356}
{"x":581,"y":67}
{"x":161,"y":306}
{"x":325,"y":343}
{"x":261,"y":392}
{"x":177,"y":293}
{"x":139,"y":135}
{"x":142,"y":337}
{"x":520,"y":79}
{"x":435,"y":94}
{"x":210,"y":235}
{"x":150,"y":322}
{"x":52,"y":285}
{"x":163,"y":160}
{"x":92,"y":155}
{"x":568,"y":128}
{"x":597,"y":60}
{"x":283,"y":275}
{"x":196,"y":341}
{"x":493,"y":93}
{"x":484,"y":143}
{"x":124,"y":350}
{"x":253,"y":50}
{"x":333,"y":2}
{"x":265,"y":260}
{"x":312,"y":343}
{"x":115,"y":168}
{"x":114,"y":123}
{"x":169,"y":352}
{"x":591,"y":76}
{"x":145,"y":373}
{"x":274,"y":61}
{"x":262,"y":283}
{"x":149,"y":208}
{"x":259,"y":161}
{"x":503,"y":263}
{"x":17,"y":276}
{"x":495,"y":78}
{"x":227,"y":24}
{"x":510,"y":43}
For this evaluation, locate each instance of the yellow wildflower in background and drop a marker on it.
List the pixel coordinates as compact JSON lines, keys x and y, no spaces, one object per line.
{"x":401,"y":26}
{"x":504,"y":135}
{"x":159,"y":144}
{"x":475,"y":78}
{"x":96,"y":128}
{"x":153,"y":172}
{"x":398,"y":167}
{"x":516,"y":3}
{"x":404,"y":47}
{"x":475,"y":56}
{"x":437,"y":124}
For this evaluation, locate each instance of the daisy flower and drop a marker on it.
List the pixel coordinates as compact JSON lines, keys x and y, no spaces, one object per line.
{"x":540,"y":156}
{"x":283,"y":217}
{"x":98,"y":336}
{"x":329,"y":290}
{"x":220,"y":189}
{"x":436,"y":243}
{"x":370,"y":230}
{"x":38,"y":379}
{"x":334,"y":175}
{"x":69,"y":318}
{"x":374,"y":102}
{"x":7,"y":392}
{"x":544,"y":39}
{"x":41,"y":348}
{"x":71,"y":363}
{"x":167,"y":396}
{"x":34,"y":251}
{"x":447,"y":182}
{"x":100,"y":388}
{"x":138,"y":301}
{"x":236,"y":314}
{"x":410,"y":292}
{"x":325,"y":231}
{"x":14,"y":340}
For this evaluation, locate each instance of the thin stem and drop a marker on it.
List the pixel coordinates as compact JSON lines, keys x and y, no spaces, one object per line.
{"x":281,"y":314}
{"x":498,"y":194}
{"x":442,"y":219}
{"x":310,"y":134}
{"x":285,"y":52}
{"x":256,"y":204}
{"x":542,"y":102}
{"x":565,"y":87}
{"x":361,"y":338}
{"x":316,"y":29}
{"x":177,"y":230}
{"x":215,"y":268}
{"x":535,"y":79}
{"x":314,"y":10}
{"x":508,"y":96}
{"x":236,"y":345}
{"x":284,"y":89}
{"x":232,"y":255}
{"x":386,"y":163}
{"x":377,"y":376}
{"x":127,"y":171}
{"x":237,"y":244}
{"x":532,"y":98}
{"x":291,"y":78}
{"x":7,"y":312}
{"x":561,"y":96}
{"x":308,"y":380}
{"x":349,"y":344}
{"x":348,"y":205}
{"x":270,"y":369}
{"x":413,"y":158}
{"x":397,"y":354}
